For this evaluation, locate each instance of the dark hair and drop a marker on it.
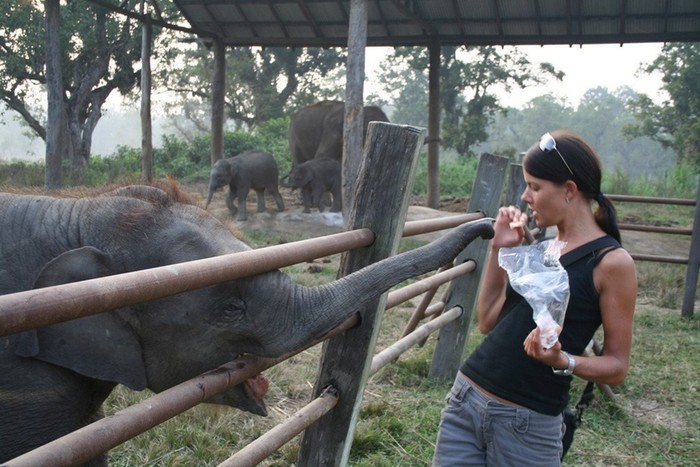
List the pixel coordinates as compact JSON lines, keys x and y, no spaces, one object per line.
{"x":585,"y":164}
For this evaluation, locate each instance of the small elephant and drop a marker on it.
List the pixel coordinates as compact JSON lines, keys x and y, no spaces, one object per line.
{"x":315,"y":178}
{"x":254,"y":169}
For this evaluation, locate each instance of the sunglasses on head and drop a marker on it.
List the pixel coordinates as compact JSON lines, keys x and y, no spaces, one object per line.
{"x":547,"y":144}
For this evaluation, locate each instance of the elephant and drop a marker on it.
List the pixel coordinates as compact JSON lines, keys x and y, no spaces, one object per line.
{"x":54,"y":379}
{"x":253,"y":169}
{"x":316,"y":177}
{"x":316,"y":131}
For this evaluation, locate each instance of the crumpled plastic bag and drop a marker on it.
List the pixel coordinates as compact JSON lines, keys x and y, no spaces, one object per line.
{"x":536,"y":273}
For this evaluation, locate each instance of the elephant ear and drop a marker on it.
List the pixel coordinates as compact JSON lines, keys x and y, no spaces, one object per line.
{"x":101,"y":346}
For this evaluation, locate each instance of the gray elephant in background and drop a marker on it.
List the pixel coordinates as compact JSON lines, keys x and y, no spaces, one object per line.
{"x":314,"y":178}
{"x":53,"y":380}
{"x":254,"y":169}
{"x":316,"y":131}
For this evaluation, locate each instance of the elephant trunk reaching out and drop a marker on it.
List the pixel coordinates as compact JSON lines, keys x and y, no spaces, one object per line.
{"x":320,"y":309}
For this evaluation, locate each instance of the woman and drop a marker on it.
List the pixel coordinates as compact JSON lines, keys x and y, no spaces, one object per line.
{"x":506,"y":403}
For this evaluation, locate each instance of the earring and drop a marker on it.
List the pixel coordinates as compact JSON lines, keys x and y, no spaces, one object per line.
{"x":568,"y":201}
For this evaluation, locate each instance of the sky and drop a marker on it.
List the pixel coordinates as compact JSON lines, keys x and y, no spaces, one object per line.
{"x":586,"y":67}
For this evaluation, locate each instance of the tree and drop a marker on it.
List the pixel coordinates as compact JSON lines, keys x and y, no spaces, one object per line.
{"x":98,"y":52}
{"x":674,"y":123}
{"x":469,"y":79}
{"x":261,"y":83}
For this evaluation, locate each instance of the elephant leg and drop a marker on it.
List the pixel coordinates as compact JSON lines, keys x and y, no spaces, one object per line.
{"x":306,"y":197}
{"x":242,"y":197}
{"x":229,"y":201}
{"x":278,"y":198}
{"x":260,"y":193}
{"x":318,"y":198}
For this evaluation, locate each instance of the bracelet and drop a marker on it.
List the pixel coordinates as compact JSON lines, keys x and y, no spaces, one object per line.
{"x":568,"y":371}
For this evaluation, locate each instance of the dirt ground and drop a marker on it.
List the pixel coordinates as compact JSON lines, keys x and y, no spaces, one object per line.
{"x":293,"y":221}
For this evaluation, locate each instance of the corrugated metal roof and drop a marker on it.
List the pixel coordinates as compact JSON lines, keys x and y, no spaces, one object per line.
{"x":450,"y":22}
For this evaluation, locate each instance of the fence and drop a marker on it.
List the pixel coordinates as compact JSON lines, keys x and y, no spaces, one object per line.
{"x":389,"y":163}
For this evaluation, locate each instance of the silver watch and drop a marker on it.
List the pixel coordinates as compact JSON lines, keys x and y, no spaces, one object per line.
{"x":568,"y":371}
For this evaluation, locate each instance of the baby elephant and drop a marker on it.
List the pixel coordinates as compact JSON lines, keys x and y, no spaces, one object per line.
{"x":315,"y":178}
{"x":254,"y":169}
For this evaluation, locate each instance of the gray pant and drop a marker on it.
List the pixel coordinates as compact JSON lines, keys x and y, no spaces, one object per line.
{"x":478,"y":430}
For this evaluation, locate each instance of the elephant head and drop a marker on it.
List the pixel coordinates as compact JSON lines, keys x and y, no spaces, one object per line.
{"x":221,"y":174}
{"x":163,"y":342}
{"x":300,"y":176}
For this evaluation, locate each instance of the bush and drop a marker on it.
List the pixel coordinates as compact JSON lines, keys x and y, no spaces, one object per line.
{"x":456,"y":177}
{"x":22,"y":173}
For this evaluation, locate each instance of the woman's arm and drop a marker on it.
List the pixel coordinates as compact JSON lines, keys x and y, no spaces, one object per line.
{"x":492,"y":290}
{"x":616,"y":281}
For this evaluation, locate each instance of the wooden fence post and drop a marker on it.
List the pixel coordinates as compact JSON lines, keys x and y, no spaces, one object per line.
{"x":380,"y":203}
{"x":452,"y":340}
{"x":691,"y":276}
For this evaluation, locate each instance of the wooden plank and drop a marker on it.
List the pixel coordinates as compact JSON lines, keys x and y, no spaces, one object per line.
{"x":691,"y":276}
{"x":381,"y":202}
{"x":452,"y":340}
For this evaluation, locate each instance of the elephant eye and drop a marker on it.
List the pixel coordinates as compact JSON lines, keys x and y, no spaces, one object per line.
{"x":234,"y":309}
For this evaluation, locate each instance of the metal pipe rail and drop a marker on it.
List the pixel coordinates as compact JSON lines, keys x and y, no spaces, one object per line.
{"x":392,"y":352}
{"x":406,"y":293}
{"x":40,"y":307}
{"x":269,"y":442}
{"x":412,"y":228}
{"x":261,"y":448}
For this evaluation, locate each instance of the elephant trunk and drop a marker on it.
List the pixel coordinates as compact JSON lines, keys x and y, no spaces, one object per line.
{"x":284,"y":181}
{"x":316,"y":311}
{"x":211,"y":194}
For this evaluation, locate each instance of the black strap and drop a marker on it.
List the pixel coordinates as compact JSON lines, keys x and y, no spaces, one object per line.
{"x":585,"y":401}
{"x":590,"y":247}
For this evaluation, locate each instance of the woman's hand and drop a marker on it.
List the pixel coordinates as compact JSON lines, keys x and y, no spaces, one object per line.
{"x":509,"y":228}
{"x":550,"y":357}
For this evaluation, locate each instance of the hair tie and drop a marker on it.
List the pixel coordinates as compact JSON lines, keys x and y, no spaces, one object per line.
{"x":599,"y":196}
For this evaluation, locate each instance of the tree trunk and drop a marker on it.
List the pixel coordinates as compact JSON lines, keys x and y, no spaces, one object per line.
{"x":146,"y":130}
{"x":56,"y":127}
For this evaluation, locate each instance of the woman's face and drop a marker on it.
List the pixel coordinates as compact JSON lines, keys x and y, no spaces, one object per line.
{"x":545,"y":199}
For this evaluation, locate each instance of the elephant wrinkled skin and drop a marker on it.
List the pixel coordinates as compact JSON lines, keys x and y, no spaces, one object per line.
{"x":316,"y":131}
{"x":53,"y":380}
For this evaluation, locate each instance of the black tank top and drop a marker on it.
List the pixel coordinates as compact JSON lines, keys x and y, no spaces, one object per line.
{"x":500,"y":365}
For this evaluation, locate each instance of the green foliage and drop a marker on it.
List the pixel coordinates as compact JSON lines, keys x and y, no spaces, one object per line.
{"x":470,"y":78}
{"x":679,"y":181}
{"x":22,"y":173}
{"x":124,"y":166}
{"x":674,"y":122}
{"x":261,"y":83}
{"x":456,"y":177}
